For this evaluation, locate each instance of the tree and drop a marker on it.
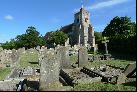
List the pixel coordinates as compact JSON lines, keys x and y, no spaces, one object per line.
{"x":57,"y":37}
{"x":121,"y":33}
{"x":119,"y":26}
{"x":30,"y":39}
{"x":9,"y":44}
{"x":98,"y":37}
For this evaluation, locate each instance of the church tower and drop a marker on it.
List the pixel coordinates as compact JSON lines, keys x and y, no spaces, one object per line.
{"x":84,"y":33}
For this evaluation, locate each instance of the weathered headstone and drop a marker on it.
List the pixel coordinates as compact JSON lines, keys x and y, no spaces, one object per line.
{"x":20,"y":51}
{"x":49,"y":71}
{"x":63,"y":55}
{"x":14,"y":56}
{"x":130,"y":70}
{"x":38,"y":48}
{"x":82,"y":57}
{"x":42,"y":53}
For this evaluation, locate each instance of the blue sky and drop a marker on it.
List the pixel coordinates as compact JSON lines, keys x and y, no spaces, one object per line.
{"x":50,"y":15}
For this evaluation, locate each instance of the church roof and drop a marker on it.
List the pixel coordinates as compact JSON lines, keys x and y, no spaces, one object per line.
{"x":67,"y":28}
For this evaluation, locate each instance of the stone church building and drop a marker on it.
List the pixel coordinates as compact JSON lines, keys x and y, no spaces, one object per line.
{"x":81,"y":31}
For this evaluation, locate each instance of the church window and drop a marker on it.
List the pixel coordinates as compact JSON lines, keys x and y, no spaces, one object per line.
{"x":77,"y":20}
{"x":86,"y":19}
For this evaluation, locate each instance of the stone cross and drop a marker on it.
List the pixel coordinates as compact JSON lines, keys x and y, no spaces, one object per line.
{"x":105,"y":42}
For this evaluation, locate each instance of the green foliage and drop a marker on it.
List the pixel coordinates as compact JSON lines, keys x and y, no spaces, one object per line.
{"x":122,"y":35}
{"x":98,"y":37}
{"x":9,"y":45}
{"x":28,"y":40}
{"x":4,"y":72}
{"x":57,"y":37}
{"x":122,"y":44}
{"x":120,"y":26}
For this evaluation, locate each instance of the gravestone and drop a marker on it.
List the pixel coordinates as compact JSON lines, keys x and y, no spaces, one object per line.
{"x":63,"y":55}
{"x":14,"y":56}
{"x":49,"y":70}
{"x":20,"y":51}
{"x":130,"y":70}
{"x":6,"y":57}
{"x":82,"y":57}
{"x":42,"y":53}
{"x":38,"y":48}
{"x":28,"y":71}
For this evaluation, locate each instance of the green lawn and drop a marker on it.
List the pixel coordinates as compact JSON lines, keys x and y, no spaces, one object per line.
{"x":29,"y":59}
{"x":73,"y":59}
{"x":100,"y":86}
{"x":4,"y":72}
{"x":118,"y":63}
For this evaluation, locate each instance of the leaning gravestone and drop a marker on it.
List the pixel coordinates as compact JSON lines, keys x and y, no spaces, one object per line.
{"x":82,"y":57}
{"x":49,"y":71}
{"x":129,"y":72}
{"x":130,"y":69}
{"x":63,"y":55}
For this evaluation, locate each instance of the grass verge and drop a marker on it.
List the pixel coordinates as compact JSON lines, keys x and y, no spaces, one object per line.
{"x":100,"y":86}
{"x":118,"y":63}
{"x":4,"y":72}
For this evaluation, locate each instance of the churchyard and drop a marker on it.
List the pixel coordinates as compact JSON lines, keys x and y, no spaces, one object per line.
{"x":64,"y":68}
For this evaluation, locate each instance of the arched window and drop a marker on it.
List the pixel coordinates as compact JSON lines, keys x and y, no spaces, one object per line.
{"x":77,"y":20}
{"x":86,"y":19}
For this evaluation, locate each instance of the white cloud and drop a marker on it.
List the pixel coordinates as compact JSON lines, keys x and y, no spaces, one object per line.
{"x":106,"y":4}
{"x":8,"y":17}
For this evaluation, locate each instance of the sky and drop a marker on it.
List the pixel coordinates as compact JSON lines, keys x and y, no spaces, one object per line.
{"x":49,"y":15}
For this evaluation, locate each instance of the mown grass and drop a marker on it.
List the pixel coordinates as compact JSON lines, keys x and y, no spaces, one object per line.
{"x":100,"y":86}
{"x":73,"y":59}
{"x":29,"y":59}
{"x":4,"y":72}
{"x":118,"y":63}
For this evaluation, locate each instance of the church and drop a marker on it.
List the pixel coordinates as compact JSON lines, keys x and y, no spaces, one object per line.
{"x":81,"y":31}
